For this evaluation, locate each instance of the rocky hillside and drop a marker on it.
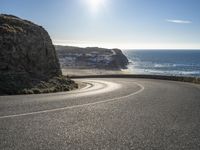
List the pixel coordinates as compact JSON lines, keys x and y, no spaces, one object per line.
{"x":27,"y":55}
{"x":91,"y":57}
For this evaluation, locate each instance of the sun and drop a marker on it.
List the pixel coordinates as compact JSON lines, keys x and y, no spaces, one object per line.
{"x":95,"y":5}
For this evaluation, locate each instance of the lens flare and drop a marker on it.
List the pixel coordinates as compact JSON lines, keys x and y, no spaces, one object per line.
{"x":95,"y":5}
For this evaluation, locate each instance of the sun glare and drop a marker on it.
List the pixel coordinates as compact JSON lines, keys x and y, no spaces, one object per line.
{"x":95,"y":5}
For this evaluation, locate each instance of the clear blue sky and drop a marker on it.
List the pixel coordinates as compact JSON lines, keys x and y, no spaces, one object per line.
{"x":114,"y":23}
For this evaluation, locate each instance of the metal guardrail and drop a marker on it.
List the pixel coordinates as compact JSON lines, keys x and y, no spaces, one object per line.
{"x":160,"y":77}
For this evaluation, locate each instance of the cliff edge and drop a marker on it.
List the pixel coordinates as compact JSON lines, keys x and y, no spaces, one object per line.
{"x":91,"y":58}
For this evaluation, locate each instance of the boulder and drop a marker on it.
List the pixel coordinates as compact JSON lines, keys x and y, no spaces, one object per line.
{"x":27,"y":55}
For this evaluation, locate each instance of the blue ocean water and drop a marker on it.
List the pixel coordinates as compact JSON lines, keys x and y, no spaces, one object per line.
{"x":164,"y":62}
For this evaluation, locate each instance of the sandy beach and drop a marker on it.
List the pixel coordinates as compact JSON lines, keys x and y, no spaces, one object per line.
{"x":80,"y":72}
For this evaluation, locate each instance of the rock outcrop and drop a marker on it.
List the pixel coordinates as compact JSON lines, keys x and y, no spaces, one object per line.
{"x":27,"y":55}
{"x":91,"y":58}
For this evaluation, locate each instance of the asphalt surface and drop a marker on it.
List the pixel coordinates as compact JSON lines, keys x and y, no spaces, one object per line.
{"x":106,"y":114}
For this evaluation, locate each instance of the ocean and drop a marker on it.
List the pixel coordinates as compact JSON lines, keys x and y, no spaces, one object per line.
{"x":164,"y":62}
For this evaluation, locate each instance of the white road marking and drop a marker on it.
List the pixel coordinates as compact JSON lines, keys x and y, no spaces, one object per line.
{"x":76,"y":106}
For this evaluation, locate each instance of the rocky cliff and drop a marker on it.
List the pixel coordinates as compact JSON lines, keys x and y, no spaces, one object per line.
{"x":91,"y":57}
{"x":27,"y":55}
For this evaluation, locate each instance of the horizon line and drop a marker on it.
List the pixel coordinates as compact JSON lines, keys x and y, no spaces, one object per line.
{"x":121,"y":47}
{"x":111,"y":45}
{"x":128,"y":48}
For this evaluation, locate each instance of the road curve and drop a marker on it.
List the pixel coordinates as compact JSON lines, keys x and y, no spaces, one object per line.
{"x":114,"y":113}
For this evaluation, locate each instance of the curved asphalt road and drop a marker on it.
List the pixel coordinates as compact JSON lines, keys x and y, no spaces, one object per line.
{"x":107,"y":114}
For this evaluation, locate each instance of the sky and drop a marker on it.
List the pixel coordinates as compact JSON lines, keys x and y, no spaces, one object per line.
{"x":125,"y":24}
